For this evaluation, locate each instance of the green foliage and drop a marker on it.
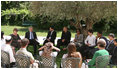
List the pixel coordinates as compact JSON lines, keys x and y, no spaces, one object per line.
{"x":79,"y":10}
{"x":106,"y":25}
{"x":44,"y":22}
{"x":15,"y":13}
{"x":99,"y":15}
{"x":90,"y":12}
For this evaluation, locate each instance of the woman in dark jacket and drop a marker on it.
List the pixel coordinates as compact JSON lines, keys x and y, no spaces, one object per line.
{"x":15,"y":39}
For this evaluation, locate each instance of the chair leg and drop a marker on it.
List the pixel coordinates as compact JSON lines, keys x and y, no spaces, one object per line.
{"x":85,"y":63}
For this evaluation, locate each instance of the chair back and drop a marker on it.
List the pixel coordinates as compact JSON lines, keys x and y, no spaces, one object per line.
{"x":71,"y":62}
{"x":102,"y":61}
{"x":22,"y":61}
{"x":5,"y":59}
{"x":47,"y":62}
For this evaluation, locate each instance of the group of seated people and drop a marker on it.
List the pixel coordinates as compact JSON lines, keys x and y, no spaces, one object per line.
{"x":90,"y":48}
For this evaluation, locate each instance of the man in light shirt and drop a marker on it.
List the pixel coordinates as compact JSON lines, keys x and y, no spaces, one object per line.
{"x":23,"y":51}
{"x":89,"y":44}
{"x":7,"y":48}
{"x":90,"y":40}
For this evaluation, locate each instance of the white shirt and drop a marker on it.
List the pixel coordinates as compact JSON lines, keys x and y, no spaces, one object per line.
{"x":23,"y":51}
{"x":7,"y":48}
{"x":65,"y":56}
{"x":91,"y":40}
{"x":3,"y":42}
{"x":53,"y":54}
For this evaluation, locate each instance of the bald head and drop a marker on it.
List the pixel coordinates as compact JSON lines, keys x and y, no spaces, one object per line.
{"x":101,"y":43}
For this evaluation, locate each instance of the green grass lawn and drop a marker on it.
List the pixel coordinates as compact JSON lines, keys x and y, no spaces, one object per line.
{"x":9,"y":30}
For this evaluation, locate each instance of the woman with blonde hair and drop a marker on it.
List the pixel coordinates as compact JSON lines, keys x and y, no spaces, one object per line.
{"x":47,"y":54}
{"x":73,"y":53}
{"x":47,"y":50}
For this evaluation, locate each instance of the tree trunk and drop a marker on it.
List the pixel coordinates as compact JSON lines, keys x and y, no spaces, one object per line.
{"x":84,"y":30}
{"x":89,"y":25}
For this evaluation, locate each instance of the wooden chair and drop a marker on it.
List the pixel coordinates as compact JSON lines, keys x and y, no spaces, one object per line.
{"x":102,"y":61}
{"x":22,"y":61}
{"x":5,"y":59}
{"x":47,"y":62}
{"x":70,"y":62}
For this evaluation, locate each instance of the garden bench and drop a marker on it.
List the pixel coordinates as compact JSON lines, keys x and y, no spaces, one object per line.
{"x":28,"y":23}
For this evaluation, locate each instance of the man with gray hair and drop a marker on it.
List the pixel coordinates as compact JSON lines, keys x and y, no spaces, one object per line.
{"x":110,"y":45}
{"x":32,"y":37}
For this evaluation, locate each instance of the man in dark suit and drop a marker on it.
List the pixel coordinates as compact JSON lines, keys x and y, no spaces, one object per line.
{"x":114,"y":54}
{"x":110,"y":45}
{"x":32,"y":39}
{"x":51,"y":36}
{"x":65,"y":37}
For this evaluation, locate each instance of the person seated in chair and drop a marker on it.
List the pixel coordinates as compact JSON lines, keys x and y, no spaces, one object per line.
{"x":7,"y":48}
{"x":78,"y":38}
{"x":114,"y":53}
{"x":51,"y":36}
{"x":89,"y":45}
{"x":48,"y":53}
{"x":47,"y":50}
{"x":15,"y":40}
{"x":32,"y":37}
{"x":2,"y":39}
{"x":101,"y":52}
{"x":65,"y":38}
{"x":23,"y":51}
{"x":100,"y":36}
{"x":110,"y":45}
{"x":73,"y":53}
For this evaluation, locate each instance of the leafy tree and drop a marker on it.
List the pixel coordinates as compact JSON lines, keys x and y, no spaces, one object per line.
{"x":88,"y":12}
{"x":14,"y":12}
